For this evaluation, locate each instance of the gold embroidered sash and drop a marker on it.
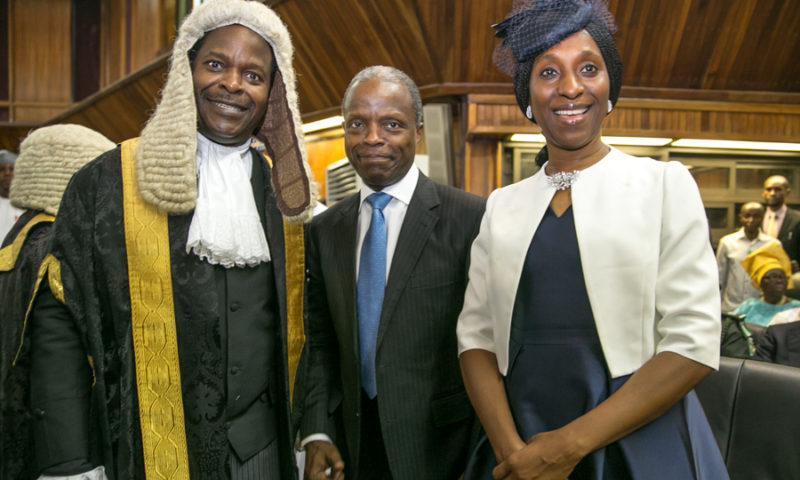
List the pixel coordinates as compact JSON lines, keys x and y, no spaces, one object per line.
{"x":295,"y":280}
{"x":155,"y":341}
{"x":9,"y":254}
{"x":295,"y":275}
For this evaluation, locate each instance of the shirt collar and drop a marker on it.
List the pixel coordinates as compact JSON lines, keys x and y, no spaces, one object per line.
{"x":781,"y":211}
{"x":207,"y":148}
{"x":402,"y":190}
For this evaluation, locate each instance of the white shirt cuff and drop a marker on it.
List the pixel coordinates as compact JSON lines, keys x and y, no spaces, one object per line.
{"x":98,"y":473}
{"x":314,"y":437}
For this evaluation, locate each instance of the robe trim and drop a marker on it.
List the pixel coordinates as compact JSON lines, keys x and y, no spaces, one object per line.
{"x":295,"y":274}
{"x":155,"y":339}
{"x":10,"y":253}
{"x":295,"y":280}
{"x":51,"y":267}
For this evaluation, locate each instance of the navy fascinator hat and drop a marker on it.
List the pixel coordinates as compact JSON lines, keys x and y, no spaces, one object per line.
{"x":533,"y":26}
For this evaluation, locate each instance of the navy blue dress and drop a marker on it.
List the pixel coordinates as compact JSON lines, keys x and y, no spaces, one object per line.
{"x":557,"y":372}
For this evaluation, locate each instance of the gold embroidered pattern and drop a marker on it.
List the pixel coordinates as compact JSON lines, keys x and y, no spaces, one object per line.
{"x":9,"y":254}
{"x":154,"y":333}
{"x":295,"y":280}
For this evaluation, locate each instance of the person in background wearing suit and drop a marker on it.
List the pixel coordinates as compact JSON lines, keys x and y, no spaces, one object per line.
{"x":384,"y":395}
{"x":780,"y":343}
{"x":780,"y":221}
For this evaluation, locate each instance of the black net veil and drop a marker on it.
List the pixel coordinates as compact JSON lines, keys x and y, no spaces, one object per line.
{"x":533,"y":26}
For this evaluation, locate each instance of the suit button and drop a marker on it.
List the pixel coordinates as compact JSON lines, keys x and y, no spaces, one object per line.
{"x":235,"y":306}
{"x":263,"y":397}
{"x":38,"y":412}
{"x":238,"y":397}
{"x":235,"y":371}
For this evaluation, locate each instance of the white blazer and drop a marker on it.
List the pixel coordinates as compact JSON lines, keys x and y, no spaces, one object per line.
{"x":647,"y":262}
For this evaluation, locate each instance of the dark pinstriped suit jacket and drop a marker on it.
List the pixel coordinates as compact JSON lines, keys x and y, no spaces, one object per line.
{"x":425,"y":415}
{"x":789,"y":234}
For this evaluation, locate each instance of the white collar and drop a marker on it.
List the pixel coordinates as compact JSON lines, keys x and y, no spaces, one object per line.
{"x":401,"y":190}
{"x":226,"y":228}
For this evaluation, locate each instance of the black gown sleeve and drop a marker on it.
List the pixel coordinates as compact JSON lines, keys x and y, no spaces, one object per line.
{"x":61,"y":379}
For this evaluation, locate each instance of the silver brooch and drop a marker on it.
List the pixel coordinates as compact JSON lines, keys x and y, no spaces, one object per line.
{"x":562,"y":180}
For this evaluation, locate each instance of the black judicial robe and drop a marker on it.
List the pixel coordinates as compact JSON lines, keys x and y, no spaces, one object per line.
{"x":16,"y":288}
{"x":89,"y":243}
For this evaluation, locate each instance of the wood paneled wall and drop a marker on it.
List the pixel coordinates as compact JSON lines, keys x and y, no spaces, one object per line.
{"x":490,"y":118}
{"x":39,"y":59}
{"x":323,"y":149}
{"x":133,"y":34}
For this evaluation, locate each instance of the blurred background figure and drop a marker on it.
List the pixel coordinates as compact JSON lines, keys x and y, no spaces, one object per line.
{"x":780,"y":344}
{"x":770,"y":271}
{"x":8,"y":213}
{"x":734,"y":282}
{"x":48,"y":158}
{"x":780,"y":221}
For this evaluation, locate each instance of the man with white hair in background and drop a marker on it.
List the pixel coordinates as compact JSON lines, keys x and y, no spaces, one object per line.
{"x":48,"y":158}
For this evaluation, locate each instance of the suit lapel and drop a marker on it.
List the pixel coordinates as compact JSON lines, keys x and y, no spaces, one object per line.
{"x":343,"y":235}
{"x":421,"y":217}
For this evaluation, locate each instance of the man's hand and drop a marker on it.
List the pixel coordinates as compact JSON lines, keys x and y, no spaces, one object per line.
{"x":321,"y":456}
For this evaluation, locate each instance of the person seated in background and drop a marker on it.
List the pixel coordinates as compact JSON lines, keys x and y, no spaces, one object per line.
{"x":780,"y":343}
{"x":48,"y":158}
{"x":734,"y":282}
{"x":786,"y":316}
{"x":770,"y":270}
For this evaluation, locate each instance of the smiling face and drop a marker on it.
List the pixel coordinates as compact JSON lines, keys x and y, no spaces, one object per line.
{"x":569,"y":92}
{"x":231,"y":75}
{"x":380,"y":131}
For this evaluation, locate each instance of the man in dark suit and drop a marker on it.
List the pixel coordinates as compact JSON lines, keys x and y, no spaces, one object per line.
{"x":780,"y":221}
{"x":384,"y":396}
{"x":780,"y":344}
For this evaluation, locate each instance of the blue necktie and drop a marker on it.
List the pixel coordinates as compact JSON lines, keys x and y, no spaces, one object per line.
{"x":371,"y":284}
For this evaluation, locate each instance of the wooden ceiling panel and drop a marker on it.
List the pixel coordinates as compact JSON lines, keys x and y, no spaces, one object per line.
{"x":333,"y":44}
{"x":460,"y":38}
{"x":709,"y":45}
{"x":741,"y":51}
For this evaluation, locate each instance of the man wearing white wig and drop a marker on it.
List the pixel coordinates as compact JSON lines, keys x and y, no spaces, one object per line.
{"x":165,"y":338}
{"x":48,"y":158}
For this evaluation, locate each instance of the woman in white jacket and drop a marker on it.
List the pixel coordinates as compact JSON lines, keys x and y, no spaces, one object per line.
{"x":593,"y":306}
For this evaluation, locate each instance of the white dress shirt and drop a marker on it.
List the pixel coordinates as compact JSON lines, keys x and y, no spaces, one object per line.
{"x":776,"y":216}
{"x":734,"y":281}
{"x":394,"y":213}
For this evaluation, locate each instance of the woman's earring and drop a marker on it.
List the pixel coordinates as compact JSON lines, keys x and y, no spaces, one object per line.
{"x":610,"y":106}
{"x":529,"y":113}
